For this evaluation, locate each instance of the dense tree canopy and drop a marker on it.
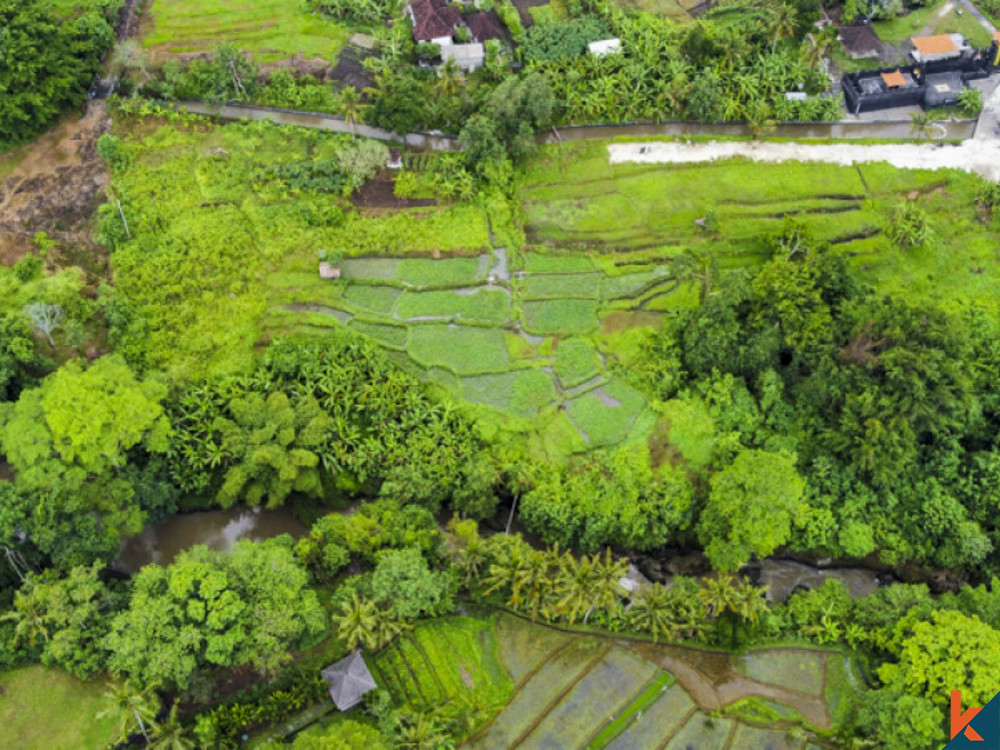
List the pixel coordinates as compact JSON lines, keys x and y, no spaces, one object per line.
{"x":245,"y":607}
{"x":47,"y":63}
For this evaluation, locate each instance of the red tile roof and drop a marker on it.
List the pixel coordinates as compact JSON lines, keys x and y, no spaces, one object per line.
{"x":894,"y":79}
{"x":433,"y":19}
{"x":484,"y":26}
{"x":940,"y":44}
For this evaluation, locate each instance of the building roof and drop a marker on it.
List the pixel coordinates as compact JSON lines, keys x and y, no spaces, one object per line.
{"x":484,"y":26}
{"x":996,"y":36}
{"x":468,"y":56}
{"x":349,"y":679}
{"x":433,"y":19}
{"x":894,"y":80}
{"x":860,"y":40}
{"x":605,"y":46}
{"x":940,"y":44}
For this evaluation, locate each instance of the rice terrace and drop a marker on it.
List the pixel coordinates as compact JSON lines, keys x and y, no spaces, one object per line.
{"x":499,"y":374}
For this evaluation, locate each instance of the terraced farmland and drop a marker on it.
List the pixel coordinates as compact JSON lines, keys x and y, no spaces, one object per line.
{"x":533,"y":337}
{"x":573,"y":691}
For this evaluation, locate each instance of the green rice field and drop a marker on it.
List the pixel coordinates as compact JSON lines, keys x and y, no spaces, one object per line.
{"x":271,"y":29}
{"x":551,"y":689}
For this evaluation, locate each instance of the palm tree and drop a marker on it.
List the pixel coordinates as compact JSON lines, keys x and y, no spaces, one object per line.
{"x":171,"y":734}
{"x":651,"y":612}
{"x":450,"y":77}
{"x":785,"y":21}
{"x":607,"y":591}
{"x":131,"y":708}
{"x":421,"y":731}
{"x":350,"y":106}
{"x":358,"y":625}
{"x":29,"y":614}
{"x":921,"y":125}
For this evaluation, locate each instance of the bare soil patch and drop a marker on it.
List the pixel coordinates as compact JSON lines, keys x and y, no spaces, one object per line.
{"x":378,"y":193}
{"x":54,"y":187}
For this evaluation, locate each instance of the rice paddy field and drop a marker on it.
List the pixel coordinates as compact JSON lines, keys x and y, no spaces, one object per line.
{"x":272,"y":29}
{"x":556,"y":689}
{"x":533,"y":314}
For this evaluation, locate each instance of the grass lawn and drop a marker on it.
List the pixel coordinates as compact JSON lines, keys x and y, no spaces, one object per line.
{"x":271,"y":29}
{"x":930,"y":20}
{"x":48,"y":709}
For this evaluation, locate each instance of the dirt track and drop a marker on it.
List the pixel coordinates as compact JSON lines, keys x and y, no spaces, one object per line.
{"x":54,"y":187}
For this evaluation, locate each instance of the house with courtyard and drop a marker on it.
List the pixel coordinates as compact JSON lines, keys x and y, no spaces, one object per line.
{"x":460,"y":37}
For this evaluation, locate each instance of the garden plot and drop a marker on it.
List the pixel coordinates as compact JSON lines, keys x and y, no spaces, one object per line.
{"x":524,"y":647}
{"x":664,"y":717}
{"x":799,"y":670}
{"x":521,"y":392}
{"x":607,"y":688}
{"x":546,"y":686}
{"x":442,"y":660}
{"x":703,"y":731}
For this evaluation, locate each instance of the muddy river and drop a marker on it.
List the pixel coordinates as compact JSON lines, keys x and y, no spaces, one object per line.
{"x":219,"y":529}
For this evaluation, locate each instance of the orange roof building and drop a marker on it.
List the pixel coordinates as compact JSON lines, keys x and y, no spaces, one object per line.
{"x":894,"y":80}
{"x":938,"y":47}
{"x":941,"y":44}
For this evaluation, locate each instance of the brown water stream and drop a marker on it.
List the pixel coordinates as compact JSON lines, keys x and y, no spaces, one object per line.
{"x":219,"y":529}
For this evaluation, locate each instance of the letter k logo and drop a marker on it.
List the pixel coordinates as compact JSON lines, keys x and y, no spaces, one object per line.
{"x":960,"y":721}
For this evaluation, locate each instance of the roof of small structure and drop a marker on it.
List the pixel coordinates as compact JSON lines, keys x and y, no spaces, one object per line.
{"x":940,"y":44}
{"x":349,"y":679}
{"x":605,"y":46}
{"x":860,"y":40}
{"x":464,"y":54}
{"x":895,"y":79}
{"x":484,"y":25}
{"x":996,"y":36}
{"x":433,"y":19}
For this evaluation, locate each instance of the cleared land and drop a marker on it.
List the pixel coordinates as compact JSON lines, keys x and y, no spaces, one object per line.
{"x":48,"y":709}
{"x":271,"y":29}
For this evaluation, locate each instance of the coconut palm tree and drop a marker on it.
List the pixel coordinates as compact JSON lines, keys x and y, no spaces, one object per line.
{"x":29,"y":616}
{"x":450,"y":78}
{"x":921,"y":125}
{"x":359,"y":622}
{"x":131,"y":709}
{"x":651,"y":612}
{"x":350,"y":107}
{"x":171,"y":734}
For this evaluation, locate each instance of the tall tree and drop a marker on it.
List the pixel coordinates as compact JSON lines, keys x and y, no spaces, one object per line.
{"x":750,"y":508}
{"x":131,"y":708}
